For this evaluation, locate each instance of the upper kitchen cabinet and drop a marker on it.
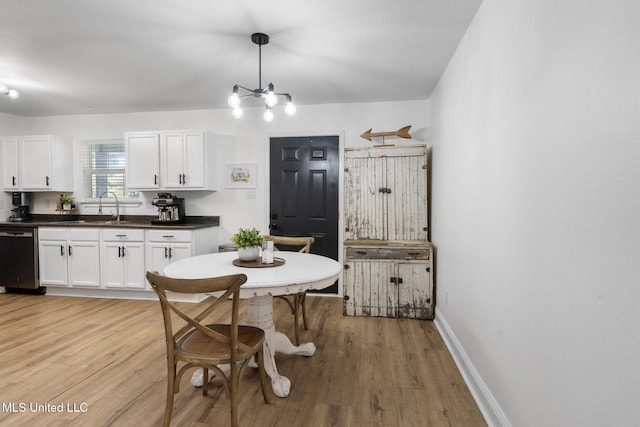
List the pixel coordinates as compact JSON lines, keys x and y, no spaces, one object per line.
{"x":385,"y":193}
{"x":142,"y":153}
{"x":188,"y":160}
{"x":171,"y":160}
{"x":36,"y":163}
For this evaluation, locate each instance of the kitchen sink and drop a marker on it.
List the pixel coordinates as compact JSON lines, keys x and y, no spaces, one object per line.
{"x":82,"y":221}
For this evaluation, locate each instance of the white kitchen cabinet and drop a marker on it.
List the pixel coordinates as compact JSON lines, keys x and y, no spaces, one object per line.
{"x":10,"y":163}
{"x":122,"y":258}
{"x":385,"y":195}
{"x":69,"y":257}
{"x":188,"y":159}
{"x":171,"y":160}
{"x":167,"y":246}
{"x":36,"y":163}
{"x":142,"y":153}
{"x":392,"y":280}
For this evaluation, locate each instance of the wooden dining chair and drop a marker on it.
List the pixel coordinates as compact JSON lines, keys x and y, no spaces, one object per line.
{"x":296,"y":302}
{"x":192,"y":343}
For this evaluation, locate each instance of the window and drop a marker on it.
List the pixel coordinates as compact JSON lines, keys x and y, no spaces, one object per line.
{"x":104,"y":172}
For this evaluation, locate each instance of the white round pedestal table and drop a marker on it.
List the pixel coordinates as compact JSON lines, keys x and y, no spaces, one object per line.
{"x":299,"y":273}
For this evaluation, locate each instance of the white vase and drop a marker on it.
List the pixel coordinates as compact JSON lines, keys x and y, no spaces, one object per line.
{"x":249,"y":253}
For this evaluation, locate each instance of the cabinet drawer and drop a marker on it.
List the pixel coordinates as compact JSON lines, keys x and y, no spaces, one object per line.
{"x":168,"y":235}
{"x":387,"y":253}
{"x":52,"y":233}
{"x":83,"y":234}
{"x":119,"y":234}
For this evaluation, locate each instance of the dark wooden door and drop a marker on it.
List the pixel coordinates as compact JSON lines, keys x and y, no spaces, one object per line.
{"x":304,"y":192}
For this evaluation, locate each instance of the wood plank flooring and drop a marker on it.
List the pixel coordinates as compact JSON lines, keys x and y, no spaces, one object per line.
{"x":102,"y":362}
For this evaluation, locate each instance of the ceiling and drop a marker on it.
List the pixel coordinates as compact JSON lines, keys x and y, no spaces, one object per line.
{"x":92,"y":56}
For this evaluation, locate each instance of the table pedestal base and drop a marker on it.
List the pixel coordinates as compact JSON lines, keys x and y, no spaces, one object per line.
{"x":259,"y":312}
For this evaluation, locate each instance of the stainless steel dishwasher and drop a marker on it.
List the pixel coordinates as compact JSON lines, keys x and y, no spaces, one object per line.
{"x":19,"y":260}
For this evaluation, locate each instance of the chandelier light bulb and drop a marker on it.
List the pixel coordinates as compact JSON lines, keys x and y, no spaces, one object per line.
{"x":289,"y":108}
{"x":4,"y":89}
{"x":237,"y":112}
{"x":13,"y":94}
{"x":234,"y":101}
{"x":268,"y":115}
{"x":272,"y":98}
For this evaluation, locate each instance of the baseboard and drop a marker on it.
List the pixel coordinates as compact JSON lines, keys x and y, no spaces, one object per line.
{"x":493,"y":414}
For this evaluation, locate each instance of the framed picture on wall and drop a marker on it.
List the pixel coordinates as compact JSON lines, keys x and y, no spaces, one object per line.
{"x":240,"y":175}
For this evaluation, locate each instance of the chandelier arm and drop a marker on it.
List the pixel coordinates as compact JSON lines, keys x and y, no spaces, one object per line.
{"x":245,"y":88}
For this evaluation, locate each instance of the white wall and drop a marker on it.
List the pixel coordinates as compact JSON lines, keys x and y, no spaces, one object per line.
{"x":241,"y":141}
{"x":536,"y":210}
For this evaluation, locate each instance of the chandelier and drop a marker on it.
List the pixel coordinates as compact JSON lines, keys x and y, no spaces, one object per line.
{"x":11,"y":93}
{"x":267,"y":93}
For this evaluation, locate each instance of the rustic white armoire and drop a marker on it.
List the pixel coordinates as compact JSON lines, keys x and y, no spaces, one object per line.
{"x":388,"y":259}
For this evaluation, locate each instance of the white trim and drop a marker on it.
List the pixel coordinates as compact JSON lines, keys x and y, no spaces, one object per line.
{"x":491,"y":410}
{"x":141,"y":294}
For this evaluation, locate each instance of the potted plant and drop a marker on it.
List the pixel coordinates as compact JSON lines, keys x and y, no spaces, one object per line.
{"x":248,"y":242}
{"x":65,"y":201}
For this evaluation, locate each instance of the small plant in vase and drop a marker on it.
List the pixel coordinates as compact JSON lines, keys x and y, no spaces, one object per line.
{"x":65,"y":202}
{"x":249,"y":242}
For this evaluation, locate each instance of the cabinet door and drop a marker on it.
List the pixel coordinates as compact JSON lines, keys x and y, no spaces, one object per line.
{"x":142,"y":160}
{"x":414,"y":292}
{"x":183,"y":157}
{"x":10,"y":163}
{"x":369,"y":290}
{"x":194,"y":160}
{"x":172,"y":159}
{"x":134,"y":269}
{"x":178,"y":251}
{"x":53,"y":262}
{"x":84,"y":264}
{"x":112,"y":265}
{"x":406,"y":197}
{"x":364,"y":197}
{"x":157,"y":256}
{"x":35,"y":162}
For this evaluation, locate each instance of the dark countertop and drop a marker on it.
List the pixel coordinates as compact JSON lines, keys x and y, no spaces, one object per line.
{"x":127,"y":221}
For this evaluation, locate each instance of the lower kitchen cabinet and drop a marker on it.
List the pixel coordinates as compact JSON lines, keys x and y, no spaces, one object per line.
{"x":388,"y":279}
{"x":69,"y":257}
{"x":167,"y":246}
{"x":122,"y":259}
{"x":112,"y":262}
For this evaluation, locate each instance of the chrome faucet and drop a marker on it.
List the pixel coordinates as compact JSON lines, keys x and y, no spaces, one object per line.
{"x":117,"y":204}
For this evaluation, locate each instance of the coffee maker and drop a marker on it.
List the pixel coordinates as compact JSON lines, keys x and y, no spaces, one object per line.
{"x":20,"y":212}
{"x":170,"y":209}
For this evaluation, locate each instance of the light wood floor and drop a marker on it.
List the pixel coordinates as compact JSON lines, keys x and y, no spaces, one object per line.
{"x":106,"y":359}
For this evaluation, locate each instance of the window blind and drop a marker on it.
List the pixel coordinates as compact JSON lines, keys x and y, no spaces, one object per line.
{"x":104,"y":169}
